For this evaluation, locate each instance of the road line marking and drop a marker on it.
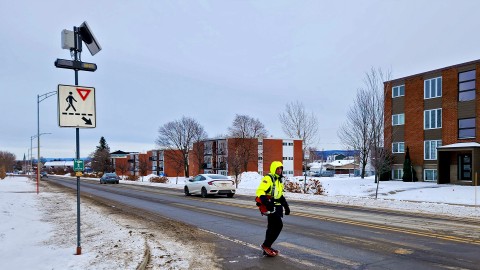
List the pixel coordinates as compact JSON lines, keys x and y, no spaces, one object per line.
{"x":256,"y":247}
{"x":197,"y":209}
{"x":320,"y":254}
{"x":368,"y":225}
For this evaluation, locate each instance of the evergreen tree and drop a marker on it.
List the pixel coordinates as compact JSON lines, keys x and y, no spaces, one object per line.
{"x":407,"y":167}
{"x":101,"y":159}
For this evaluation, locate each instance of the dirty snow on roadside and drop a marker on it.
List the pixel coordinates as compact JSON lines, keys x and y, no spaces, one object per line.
{"x":38,"y":231}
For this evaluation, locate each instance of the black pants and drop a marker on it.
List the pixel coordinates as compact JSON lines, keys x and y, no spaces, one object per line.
{"x":274,"y":227}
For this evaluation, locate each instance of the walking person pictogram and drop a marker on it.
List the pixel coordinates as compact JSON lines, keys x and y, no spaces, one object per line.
{"x":70,"y":99}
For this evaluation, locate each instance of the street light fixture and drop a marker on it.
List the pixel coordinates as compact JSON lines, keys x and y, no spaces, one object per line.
{"x":40,"y":98}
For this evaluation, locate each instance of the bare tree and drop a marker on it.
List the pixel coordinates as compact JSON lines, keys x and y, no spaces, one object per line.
{"x":235,"y":164}
{"x":245,"y":132}
{"x":297,"y":123}
{"x":244,"y":126}
{"x":363,"y":129}
{"x":356,"y":132}
{"x":143,"y":164}
{"x":383,"y":159}
{"x":7,"y":160}
{"x":180,"y":135}
{"x":122,"y":166}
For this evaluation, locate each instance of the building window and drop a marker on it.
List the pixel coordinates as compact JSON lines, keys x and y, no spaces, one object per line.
{"x":285,"y":158}
{"x":398,"y":119}
{"x":260,"y":143}
{"x":430,"y":152}
{"x":433,"y":119}
{"x":466,"y":128}
{"x":466,"y":85}
{"x":397,"y":174}
{"x":430,"y":175}
{"x":290,"y":144}
{"x":433,"y":88}
{"x":398,"y":147}
{"x":260,"y":158}
{"x":284,"y":144}
{"x":398,"y":91}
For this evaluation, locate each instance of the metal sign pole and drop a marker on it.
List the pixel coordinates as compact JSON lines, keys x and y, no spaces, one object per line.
{"x":77,"y":131}
{"x":72,"y":40}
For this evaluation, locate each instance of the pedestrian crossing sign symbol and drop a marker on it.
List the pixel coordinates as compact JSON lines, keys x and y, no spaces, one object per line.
{"x":76,"y":106}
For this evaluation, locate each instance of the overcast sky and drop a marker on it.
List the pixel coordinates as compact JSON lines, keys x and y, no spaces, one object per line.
{"x":210,"y":60}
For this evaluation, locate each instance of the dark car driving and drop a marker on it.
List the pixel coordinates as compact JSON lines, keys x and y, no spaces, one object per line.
{"x":110,"y":178}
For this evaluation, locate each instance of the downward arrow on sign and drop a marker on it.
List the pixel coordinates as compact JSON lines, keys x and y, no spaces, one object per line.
{"x":87,"y":121}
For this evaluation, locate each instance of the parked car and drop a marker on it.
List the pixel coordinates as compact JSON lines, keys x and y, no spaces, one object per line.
{"x":324,"y":174}
{"x":110,"y":178}
{"x":210,"y":184}
{"x":43,"y":174}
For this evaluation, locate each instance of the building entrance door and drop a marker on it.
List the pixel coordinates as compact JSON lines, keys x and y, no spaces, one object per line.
{"x":465,"y":166}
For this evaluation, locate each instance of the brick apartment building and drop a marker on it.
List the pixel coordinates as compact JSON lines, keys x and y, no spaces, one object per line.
{"x":434,"y":114}
{"x":165,"y":162}
{"x":213,"y":156}
{"x":158,"y":162}
{"x":218,"y":155}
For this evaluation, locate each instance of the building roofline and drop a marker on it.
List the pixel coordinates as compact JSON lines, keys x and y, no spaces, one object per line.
{"x":266,"y":138}
{"x":434,"y":70}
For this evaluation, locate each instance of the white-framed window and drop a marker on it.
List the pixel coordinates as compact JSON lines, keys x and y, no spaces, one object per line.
{"x":430,"y":175}
{"x":432,"y":119}
{"x":397,"y":174}
{"x":433,"y":88}
{"x":430,"y":149}
{"x":398,"y":147}
{"x":398,"y":91}
{"x":398,"y":119}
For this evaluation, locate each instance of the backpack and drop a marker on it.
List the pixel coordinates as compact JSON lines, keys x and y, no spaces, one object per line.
{"x":262,"y":207}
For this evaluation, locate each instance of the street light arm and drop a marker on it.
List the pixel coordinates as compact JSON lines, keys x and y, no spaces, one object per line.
{"x":46,"y":95}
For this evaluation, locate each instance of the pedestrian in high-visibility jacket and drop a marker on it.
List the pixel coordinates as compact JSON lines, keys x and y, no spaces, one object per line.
{"x":270,"y":192}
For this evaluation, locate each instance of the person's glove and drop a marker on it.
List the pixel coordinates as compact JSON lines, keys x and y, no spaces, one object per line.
{"x":287,"y":210}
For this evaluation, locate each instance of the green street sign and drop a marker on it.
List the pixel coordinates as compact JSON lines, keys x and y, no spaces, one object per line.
{"x":78,"y":165}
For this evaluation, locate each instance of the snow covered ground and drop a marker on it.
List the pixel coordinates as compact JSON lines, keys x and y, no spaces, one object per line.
{"x":38,"y":231}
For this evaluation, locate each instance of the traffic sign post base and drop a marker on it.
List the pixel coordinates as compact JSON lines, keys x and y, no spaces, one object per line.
{"x":79,"y":251}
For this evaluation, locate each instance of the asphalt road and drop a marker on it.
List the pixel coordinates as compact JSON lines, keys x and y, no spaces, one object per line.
{"x":315,"y":235}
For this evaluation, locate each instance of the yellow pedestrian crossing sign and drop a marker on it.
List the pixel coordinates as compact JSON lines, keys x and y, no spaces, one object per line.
{"x":76,"y":106}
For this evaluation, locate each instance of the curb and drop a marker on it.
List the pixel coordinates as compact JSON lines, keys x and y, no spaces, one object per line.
{"x":146,"y":257}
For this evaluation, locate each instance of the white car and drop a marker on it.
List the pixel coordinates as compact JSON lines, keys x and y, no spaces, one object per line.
{"x":210,"y":184}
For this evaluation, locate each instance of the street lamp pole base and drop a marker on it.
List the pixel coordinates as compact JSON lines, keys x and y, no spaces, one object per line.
{"x":79,"y":251}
